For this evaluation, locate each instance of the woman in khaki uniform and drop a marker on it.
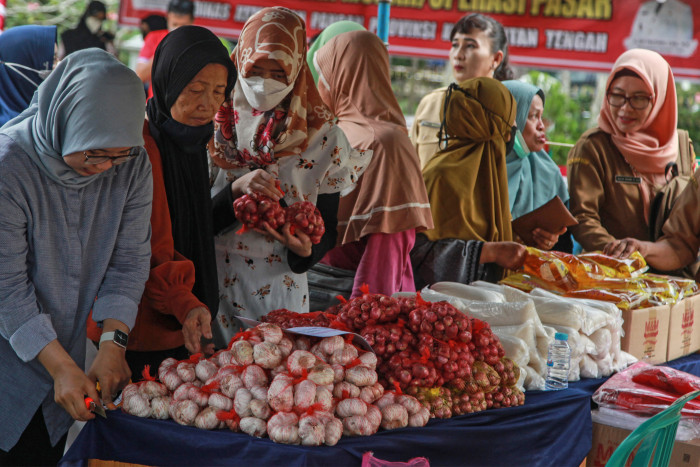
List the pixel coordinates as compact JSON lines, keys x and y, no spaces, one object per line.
{"x":615,"y":170}
{"x":479,"y":50}
{"x":680,"y":243}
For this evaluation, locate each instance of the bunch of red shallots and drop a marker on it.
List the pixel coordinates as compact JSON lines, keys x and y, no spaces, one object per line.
{"x":254,"y":210}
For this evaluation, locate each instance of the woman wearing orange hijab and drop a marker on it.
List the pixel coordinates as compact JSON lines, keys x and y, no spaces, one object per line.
{"x":378,"y":221}
{"x":615,"y":170}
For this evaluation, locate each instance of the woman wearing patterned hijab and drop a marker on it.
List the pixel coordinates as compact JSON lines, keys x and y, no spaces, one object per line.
{"x":75,"y":203}
{"x":468,"y":188}
{"x":191,"y":76}
{"x":380,"y":218}
{"x":273,"y":129}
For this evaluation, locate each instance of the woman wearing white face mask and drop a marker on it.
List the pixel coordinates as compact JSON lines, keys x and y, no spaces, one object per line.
{"x":26,"y":58}
{"x":88,"y":33}
{"x":274,"y":128}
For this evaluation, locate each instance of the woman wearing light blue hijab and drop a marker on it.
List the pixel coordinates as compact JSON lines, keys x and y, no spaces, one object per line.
{"x":75,"y":205}
{"x":533,"y":177}
{"x":26,"y":57}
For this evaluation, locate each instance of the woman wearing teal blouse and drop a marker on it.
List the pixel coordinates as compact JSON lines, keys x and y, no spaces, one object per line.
{"x":533,"y":177}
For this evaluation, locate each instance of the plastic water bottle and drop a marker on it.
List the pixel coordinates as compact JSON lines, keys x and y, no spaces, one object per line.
{"x":558,"y":360}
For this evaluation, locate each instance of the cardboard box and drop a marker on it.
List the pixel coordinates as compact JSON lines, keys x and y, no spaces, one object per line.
{"x":646,"y":333}
{"x":683,"y":333}
{"x":607,"y":438}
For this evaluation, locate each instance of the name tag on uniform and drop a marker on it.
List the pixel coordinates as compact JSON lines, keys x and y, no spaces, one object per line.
{"x":429,"y":124}
{"x":628,"y":179}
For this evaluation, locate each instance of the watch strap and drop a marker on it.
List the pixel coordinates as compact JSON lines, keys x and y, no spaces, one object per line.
{"x":118,"y":337}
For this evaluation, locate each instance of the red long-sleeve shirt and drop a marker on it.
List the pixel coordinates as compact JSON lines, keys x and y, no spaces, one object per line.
{"x":168,"y":295}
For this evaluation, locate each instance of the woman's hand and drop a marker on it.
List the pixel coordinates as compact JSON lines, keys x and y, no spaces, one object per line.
{"x":197,"y":325}
{"x":257,"y":181}
{"x":508,"y":255}
{"x":624,"y":248}
{"x":70,"y":383}
{"x":545,"y":240}
{"x":111,"y":370}
{"x":299,"y":242}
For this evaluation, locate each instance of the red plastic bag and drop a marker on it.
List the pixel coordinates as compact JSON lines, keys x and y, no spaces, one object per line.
{"x":645,"y":389}
{"x":368,"y":460}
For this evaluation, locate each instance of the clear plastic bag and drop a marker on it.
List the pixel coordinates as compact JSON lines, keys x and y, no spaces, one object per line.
{"x":468,"y":292}
{"x":645,"y":389}
{"x":589,"y":367}
{"x":516,"y":349}
{"x":533,"y":380}
{"x":602,"y":340}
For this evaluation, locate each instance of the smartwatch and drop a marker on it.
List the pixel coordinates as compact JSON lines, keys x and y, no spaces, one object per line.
{"x":118,"y":337}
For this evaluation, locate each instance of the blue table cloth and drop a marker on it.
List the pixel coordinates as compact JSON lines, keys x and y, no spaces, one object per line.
{"x":551,"y":429}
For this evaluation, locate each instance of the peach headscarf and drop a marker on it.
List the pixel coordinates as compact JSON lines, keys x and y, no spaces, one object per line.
{"x":354,"y":82}
{"x":651,"y":148}
{"x":248,"y":136}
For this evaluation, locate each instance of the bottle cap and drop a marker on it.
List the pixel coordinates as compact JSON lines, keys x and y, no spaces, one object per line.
{"x":561,"y":336}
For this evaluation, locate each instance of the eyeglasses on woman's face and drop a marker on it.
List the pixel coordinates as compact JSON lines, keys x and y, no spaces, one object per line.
{"x":637,"y":101}
{"x":98,"y":156}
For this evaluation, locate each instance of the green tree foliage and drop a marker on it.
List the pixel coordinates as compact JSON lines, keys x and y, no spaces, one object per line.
{"x":689,"y":112}
{"x":65,"y":14}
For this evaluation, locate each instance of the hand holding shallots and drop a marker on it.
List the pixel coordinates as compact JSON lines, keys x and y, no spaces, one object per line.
{"x":298,"y":242}
{"x":257,"y":181}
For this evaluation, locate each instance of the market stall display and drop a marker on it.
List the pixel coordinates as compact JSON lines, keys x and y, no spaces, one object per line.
{"x":293,"y":389}
{"x":623,"y":282}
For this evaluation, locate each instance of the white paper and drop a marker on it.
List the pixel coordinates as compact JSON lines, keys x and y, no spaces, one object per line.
{"x":316,"y":331}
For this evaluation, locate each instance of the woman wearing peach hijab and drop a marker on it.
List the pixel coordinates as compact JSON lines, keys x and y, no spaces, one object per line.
{"x":378,"y":221}
{"x":615,"y":170}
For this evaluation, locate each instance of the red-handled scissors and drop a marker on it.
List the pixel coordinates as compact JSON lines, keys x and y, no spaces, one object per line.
{"x":96,"y":408}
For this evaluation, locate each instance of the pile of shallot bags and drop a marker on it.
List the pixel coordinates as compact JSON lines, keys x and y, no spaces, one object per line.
{"x":277,"y":384}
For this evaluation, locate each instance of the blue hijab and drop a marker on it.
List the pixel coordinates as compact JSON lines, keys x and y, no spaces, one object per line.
{"x":534,"y":179}
{"x":33,"y":47}
{"x":90,"y":101}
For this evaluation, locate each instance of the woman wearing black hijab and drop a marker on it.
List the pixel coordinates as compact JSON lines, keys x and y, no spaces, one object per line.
{"x":88,"y":33}
{"x":192,"y":73}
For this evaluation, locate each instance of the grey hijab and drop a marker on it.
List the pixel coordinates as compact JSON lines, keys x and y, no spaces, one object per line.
{"x":90,"y":101}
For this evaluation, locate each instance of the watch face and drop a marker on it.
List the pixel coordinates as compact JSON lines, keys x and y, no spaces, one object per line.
{"x":121,"y":337}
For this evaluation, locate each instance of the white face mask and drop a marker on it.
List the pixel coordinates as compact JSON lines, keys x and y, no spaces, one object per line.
{"x":264,"y":94}
{"x":93,"y":24}
{"x":17,"y":68}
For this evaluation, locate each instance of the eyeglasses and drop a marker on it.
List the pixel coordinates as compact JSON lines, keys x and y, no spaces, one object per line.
{"x":115,"y":160}
{"x":636,"y":102}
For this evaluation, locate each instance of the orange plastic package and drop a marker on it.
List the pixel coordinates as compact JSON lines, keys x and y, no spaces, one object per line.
{"x":623,"y":300}
{"x":527,"y":282}
{"x":551,"y":267}
{"x":615,"y":267}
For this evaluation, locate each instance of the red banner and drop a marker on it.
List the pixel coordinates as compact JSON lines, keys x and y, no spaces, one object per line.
{"x":3,"y":3}
{"x":571,"y":34}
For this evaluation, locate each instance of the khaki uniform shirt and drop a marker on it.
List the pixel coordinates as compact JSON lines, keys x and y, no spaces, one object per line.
{"x":682,"y":229}
{"x":605,"y":196}
{"x":426,"y":124}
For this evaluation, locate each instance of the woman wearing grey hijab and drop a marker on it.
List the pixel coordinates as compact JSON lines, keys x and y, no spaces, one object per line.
{"x":75,"y":204}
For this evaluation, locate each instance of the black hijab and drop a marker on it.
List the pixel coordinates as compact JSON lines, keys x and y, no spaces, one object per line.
{"x":179,"y":57}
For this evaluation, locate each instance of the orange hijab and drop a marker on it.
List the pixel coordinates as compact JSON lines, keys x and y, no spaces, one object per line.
{"x":249,"y":137}
{"x":354,"y":82}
